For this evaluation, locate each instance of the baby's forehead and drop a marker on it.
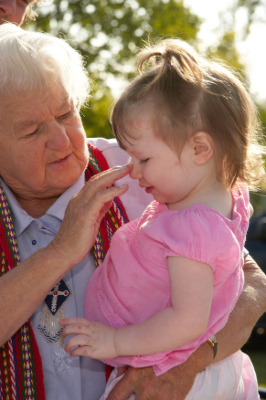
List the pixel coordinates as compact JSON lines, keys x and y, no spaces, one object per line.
{"x":137,"y":121}
{"x":129,"y":139}
{"x":137,"y":124}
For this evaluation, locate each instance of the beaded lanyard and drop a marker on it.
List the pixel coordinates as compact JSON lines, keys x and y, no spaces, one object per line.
{"x":21,"y":375}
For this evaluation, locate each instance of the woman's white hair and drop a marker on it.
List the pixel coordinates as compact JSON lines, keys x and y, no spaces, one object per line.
{"x":34,"y":61}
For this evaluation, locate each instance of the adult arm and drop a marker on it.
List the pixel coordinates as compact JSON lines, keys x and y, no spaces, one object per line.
{"x":249,"y":308}
{"x":24,"y":288}
{"x":176,"y":383}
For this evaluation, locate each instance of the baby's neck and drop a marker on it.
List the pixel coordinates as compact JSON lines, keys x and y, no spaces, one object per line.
{"x":214,"y":195}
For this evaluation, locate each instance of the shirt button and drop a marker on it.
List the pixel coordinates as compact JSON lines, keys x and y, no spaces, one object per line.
{"x":34,"y":242}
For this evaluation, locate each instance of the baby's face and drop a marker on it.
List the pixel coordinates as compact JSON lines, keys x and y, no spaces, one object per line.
{"x":160,"y":171}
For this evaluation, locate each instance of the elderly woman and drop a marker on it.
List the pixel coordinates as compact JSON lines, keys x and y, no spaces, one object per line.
{"x":49,"y":220}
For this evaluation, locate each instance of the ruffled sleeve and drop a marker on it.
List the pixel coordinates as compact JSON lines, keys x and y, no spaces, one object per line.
{"x":198,"y":233}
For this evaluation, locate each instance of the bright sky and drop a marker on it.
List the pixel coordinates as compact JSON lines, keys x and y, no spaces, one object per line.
{"x":252,"y":50}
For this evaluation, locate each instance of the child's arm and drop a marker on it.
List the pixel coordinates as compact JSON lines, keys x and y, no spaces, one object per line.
{"x":177,"y":382}
{"x":191,"y":296}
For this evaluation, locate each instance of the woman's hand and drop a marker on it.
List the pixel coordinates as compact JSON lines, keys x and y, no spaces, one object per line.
{"x":94,"y":339}
{"x":173,"y":385}
{"x":84,"y":214}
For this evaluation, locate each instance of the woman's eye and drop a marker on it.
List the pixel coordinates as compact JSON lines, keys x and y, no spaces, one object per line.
{"x":66,"y":115}
{"x":144,"y":161}
{"x":32,"y":133}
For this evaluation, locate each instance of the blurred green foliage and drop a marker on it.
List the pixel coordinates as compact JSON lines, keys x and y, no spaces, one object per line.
{"x":109,"y":34}
{"x":226,"y":50}
{"x":255,"y":11}
{"x":95,"y":116}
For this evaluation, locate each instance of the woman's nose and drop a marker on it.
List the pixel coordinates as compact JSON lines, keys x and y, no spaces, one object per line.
{"x":58,"y":139}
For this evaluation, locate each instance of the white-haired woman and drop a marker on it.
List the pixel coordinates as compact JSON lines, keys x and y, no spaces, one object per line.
{"x":49,"y":220}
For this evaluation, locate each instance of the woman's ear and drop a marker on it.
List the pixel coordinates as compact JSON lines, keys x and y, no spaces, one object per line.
{"x":203,"y":147}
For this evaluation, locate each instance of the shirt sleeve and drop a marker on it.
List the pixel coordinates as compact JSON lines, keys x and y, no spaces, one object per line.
{"x":199,"y":234}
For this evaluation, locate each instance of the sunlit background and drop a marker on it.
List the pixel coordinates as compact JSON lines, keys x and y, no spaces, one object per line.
{"x":251,"y":47}
{"x":109,"y":33}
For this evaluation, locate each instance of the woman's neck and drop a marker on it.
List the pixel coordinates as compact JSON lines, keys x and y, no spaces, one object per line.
{"x":36,"y":207}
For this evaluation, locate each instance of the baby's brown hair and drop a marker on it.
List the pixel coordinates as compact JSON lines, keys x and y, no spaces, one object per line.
{"x":188,"y":94}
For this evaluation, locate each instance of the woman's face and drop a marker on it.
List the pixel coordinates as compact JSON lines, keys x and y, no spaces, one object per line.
{"x":42,"y":144}
{"x":12,"y":10}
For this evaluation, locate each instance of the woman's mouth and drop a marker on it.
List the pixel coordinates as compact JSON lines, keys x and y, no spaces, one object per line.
{"x":61,"y":160}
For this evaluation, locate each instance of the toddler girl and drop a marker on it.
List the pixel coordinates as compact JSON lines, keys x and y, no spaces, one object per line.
{"x":172,"y":277}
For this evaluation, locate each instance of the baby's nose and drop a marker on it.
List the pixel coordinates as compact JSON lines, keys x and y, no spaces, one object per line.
{"x":135,"y":173}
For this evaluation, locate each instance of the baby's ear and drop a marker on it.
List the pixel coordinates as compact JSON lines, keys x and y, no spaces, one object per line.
{"x":203,"y":147}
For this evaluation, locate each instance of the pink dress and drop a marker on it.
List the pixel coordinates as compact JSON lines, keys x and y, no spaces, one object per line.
{"x":133,"y":282}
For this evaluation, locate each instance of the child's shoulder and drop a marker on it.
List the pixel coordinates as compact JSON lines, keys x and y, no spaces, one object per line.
{"x":240,"y":194}
{"x":197,"y":232}
{"x":242,"y":209}
{"x":196,"y":217}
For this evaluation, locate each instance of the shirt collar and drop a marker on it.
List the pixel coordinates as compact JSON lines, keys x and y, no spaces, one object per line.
{"x":21,"y":219}
{"x":57,"y":210}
